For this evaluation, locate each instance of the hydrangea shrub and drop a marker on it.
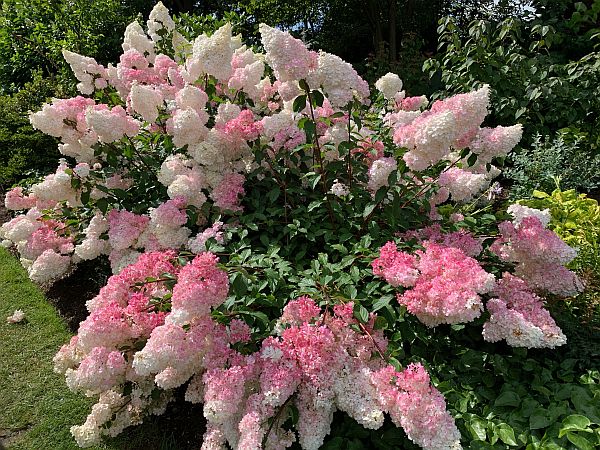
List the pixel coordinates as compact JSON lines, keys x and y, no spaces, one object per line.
{"x":260,"y":211}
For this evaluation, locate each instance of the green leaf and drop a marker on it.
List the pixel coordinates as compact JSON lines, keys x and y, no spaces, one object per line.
{"x":337,"y":443}
{"x":380,"y":194}
{"x":102,"y":205}
{"x":361,"y":313}
{"x":478,"y":428}
{"x":575,"y":422}
{"x":315,"y":181}
{"x":539,"y":419}
{"x":579,"y":441}
{"x":299,"y":103}
{"x":85,"y":196}
{"x":382,"y":302}
{"x":472,"y":159}
{"x":506,"y":434}
{"x":239,"y":285}
{"x":274,"y":193}
{"x":303,"y":85}
{"x":508,"y":398}
{"x":520,"y":112}
{"x":369,"y":209}
{"x":318,"y":98}
{"x":310,"y":129}
{"x":380,"y":323}
{"x":294,"y":414}
{"x":539,"y":194}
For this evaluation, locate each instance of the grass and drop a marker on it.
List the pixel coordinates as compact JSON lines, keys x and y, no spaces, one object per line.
{"x":36,"y":408}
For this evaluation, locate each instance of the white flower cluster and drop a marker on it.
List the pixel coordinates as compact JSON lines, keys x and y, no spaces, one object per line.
{"x":49,"y":266}
{"x":114,"y":412}
{"x":248,"y":72}
{"x":494,"y":142}
{"x":92,"y":245}
{"x":159,"y":19}
{"x":339,"y":189}
{"x":512,"y":326}
{"x":431,"y":141}
{"x":146,"y":101}
{"x":520,"y":212}
{"x":379,"y":172}
{"x":339,"y":80}
{"x":389,"y":85}
{"x":462,"y":184}
{"x":20,"y":228}
{"x":56,"y":188}
{"x":90,"y":74}
{"x":212,"y":55}
{"x":354,"y":394}
{"x":289,"y":57}
{"x":16,"y":317}
{"x":136,"y":39}
{"x":111,"y":124}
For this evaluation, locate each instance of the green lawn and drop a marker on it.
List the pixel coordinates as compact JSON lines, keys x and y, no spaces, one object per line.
{"x":36,"y":408}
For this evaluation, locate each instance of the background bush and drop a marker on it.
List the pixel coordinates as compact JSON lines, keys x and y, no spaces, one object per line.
{"x":25,"y":152}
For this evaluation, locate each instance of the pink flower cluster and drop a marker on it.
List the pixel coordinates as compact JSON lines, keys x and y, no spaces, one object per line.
{"x":227,"y":194}
{"x":321,"y":365}
{"x":371,"y":150}
{"x":448,"y":124}
{"x":540,"y":256}
{"x":201,"y":285}
{"x":445,"y":282}
{"x":413,"y":103}
{"x":397,"y":268}
{"x":122,"y":312}
{"x":518,"y":316}
{"x":43,"y":244}
{"x":124,"y":229}
{"x":132,"y":336}
{"x":16,"y":200}
{"x":198,"y":243}
{"x":417,"y":407}
{"x":452,"y":124}
{"x":243,"y":126}
{"x":289,"y":57}
{"x":461,"y":239}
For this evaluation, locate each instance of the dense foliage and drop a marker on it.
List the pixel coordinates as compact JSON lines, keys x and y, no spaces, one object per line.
{"x":26,"y":153}
{"x":303,"y":256}
{"x":544,"y":72}
{"x":570,"y":156}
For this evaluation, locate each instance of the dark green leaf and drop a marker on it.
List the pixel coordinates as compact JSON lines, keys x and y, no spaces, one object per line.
{"x":299,"y":103}
{"x":508,"y":398}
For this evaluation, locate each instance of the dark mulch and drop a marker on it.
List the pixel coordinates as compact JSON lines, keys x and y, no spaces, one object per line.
{"x":181,"y":427}
{"x":69,"y":294}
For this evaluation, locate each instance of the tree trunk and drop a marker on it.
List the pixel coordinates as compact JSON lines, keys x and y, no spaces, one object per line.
{"x":392,"y":32}
{"x":373,"y":13}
